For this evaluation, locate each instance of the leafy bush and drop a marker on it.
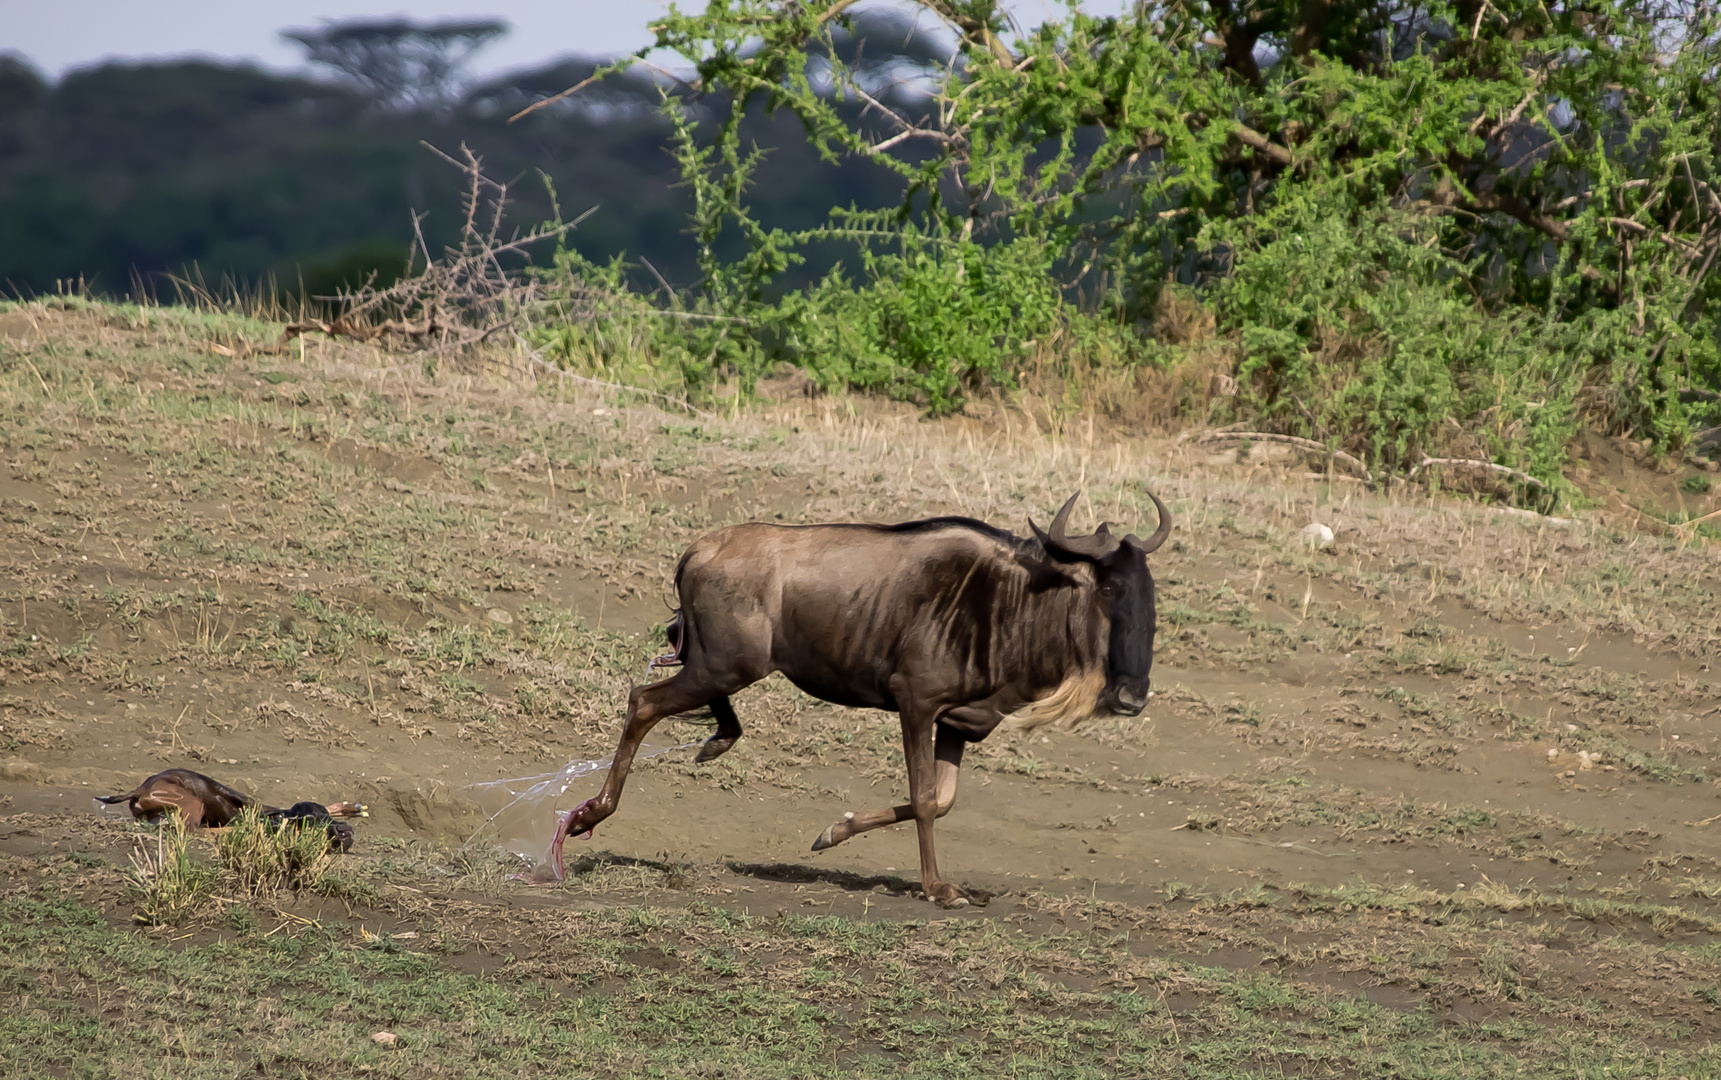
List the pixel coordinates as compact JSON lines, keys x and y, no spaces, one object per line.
{"x":1362,"y":336}
{"x":934,"y":324}
{"x":1458,"y":228}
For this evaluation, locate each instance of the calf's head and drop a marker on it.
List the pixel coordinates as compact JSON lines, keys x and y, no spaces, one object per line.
{"x":1124,"y":587}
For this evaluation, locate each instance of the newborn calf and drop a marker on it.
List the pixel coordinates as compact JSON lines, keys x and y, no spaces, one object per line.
{"x":208,"y":803}
{"x":203,"y":801}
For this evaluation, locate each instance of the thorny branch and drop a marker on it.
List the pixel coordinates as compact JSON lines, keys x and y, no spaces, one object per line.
{"x":462,"y":298}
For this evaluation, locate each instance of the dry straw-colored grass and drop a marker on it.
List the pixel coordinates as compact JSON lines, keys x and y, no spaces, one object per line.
{"x":262,"y":860}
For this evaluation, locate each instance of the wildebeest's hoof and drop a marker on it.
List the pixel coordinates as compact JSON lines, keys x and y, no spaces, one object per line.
{"x":713,"y":749}
{"x":946,"y":895}
{"x":542,"y":874}
{"x":827,"y":839}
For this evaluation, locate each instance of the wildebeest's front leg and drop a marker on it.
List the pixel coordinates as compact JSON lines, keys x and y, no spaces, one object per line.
{"x":947,"y":760}
{"x":918,"y":720}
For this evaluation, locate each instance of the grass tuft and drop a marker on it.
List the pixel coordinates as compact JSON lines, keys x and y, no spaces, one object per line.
{"x":168,"y":885}
{"x":262,"y":861}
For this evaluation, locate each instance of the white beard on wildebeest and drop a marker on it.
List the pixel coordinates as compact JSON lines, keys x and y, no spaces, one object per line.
{"x":950,"y":622}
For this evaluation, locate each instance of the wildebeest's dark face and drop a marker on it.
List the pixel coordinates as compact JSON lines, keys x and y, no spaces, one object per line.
{"x":1126,"y":596}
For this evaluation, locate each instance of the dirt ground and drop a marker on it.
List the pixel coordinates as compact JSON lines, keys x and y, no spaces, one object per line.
{"x":329,"y":575}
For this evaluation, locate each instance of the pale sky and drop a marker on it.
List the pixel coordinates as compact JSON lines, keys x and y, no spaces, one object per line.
{"x":57,"y":35}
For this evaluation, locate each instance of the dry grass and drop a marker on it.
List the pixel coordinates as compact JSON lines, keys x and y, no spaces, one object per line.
{"x":262,"y":861}
{"x":339,"y":572}
{"x":170,"y":884}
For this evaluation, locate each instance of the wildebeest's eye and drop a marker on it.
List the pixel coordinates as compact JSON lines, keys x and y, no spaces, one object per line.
{"x":1107,"y":589}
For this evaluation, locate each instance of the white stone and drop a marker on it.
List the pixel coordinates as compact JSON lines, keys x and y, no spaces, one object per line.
{"x":1317,"y":535}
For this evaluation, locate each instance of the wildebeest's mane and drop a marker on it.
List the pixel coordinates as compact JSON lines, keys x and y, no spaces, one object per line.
{"x":1026,"y":546}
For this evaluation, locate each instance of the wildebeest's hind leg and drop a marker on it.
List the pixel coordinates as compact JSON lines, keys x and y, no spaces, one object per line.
{"x":728,"y":730}
{"x":688,"y":689}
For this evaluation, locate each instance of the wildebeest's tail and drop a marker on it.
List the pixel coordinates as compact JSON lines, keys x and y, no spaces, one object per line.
{"x":675,"y":633}
{"x":111,"y":799}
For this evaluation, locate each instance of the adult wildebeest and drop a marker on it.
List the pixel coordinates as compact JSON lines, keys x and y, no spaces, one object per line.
{"x":950,"y":622}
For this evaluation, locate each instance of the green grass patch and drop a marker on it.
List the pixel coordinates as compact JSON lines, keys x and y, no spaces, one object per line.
{"x":708,"y":992}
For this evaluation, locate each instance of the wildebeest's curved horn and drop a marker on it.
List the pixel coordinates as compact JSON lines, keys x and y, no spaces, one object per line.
{"x":1096,"y":546}
{"x":1151,"y":544}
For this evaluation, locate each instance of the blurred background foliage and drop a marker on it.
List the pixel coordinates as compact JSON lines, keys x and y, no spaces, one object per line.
{"x":126,"y":172}
{"x":1403,"y":229}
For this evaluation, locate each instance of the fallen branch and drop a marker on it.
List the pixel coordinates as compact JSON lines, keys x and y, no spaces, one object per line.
{"x":1198,"y":436}
{"x":1513,"y":511}
{"x":1289,"y":440}
{"x":1655,"y":525}
{"x":1691,"y":526}
{"x":1474,"y":463}
{"x":358,"y":331}
{"x":1330,"y":476}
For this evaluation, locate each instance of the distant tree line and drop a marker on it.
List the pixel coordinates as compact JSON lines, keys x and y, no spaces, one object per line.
{"x":1417,"y":230}
{"x":122,"y":173}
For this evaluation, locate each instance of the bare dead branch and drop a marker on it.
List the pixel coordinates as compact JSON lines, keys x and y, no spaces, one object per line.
{"x":460,"y":299}
{"x":553,"y":98}
{"x":1645,"y":230}
{"x":1474,"y":463}
{"x":1511,"y":206}
{"x":1289,"y":440}
{"x":904,"y":136}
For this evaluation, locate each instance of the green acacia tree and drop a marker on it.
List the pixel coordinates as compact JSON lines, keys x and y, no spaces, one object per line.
{"x":1502,"y":211}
